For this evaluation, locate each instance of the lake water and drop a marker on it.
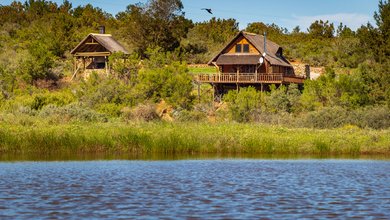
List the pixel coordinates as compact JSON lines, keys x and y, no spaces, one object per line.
{"x":206,"y":189}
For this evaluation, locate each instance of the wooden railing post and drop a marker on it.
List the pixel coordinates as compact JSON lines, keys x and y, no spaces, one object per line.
{"x":247,"y":77}
{"x":238,"y":72}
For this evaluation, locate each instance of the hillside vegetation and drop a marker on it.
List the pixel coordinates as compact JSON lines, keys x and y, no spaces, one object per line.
{"x":154,"y":83}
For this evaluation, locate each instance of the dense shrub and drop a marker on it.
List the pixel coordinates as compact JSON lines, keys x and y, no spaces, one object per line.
{"x":243,"y":103}
{"x":333,"y":117}
{"x":277,"y":100}
{"x":72,"y":112}
{"x":110,"y":109}
{"x":172,"y":83}
{"x":373,"y":117}
{"x":142,"y":112}
{"x":54,"y":98}
{"x":98,"y":90}
{"x":329,"y":117}
{"x":38,"y":100}
{"x":282,"y":118}
{"x":195,"y":116}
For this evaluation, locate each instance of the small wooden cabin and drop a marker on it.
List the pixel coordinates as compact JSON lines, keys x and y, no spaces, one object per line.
{"x":92,"y":53}
{"x":249,"y":60}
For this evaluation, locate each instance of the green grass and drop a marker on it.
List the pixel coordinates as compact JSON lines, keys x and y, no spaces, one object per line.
{"x":187,"y":138}
{"x":206,"y":70}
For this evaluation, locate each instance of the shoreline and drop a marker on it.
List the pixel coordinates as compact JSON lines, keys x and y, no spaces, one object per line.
{"x":190,"y":138}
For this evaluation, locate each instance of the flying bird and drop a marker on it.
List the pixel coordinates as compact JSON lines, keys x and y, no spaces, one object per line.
{"x":208,"y":10}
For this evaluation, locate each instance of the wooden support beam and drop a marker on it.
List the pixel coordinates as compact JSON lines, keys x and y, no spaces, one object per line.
{"x":92,"y":54}
{"x":106,"y":65}
{"x":198,"y":91}
{"x":256,"y":72}
{"x":238,"y":72}
{"x":74,"y":74}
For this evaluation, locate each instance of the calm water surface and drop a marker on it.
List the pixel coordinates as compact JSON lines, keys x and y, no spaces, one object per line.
{"x":206,"y":189}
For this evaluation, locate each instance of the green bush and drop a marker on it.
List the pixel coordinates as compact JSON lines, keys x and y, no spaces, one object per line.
{"x":328,"y":117}
{"x":111,"y":109}
{"x":242,"y":104}
{"x":98,"y":90}
{"x":333,"y":117}
{"x":373,"y":117}
{"x":193,"y":116}
{"x":142,"y":112}
{"x":72,"y":112}
{"x":26,"y":103}
{"x":282,"y":118}
{"x":60,"y":98}
{"x":277,"y":100}
{"x":172,"y":83}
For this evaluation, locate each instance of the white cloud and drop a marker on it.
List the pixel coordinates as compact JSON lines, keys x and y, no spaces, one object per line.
{"x":352,"y":20}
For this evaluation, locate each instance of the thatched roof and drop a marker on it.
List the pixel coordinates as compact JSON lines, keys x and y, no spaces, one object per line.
{"x":105,"y":43}
{"x":273,"y":54}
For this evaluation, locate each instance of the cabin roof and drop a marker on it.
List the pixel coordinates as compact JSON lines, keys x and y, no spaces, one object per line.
{"x":105,"y":40}
{"x":258,"y":42}
{"x":229,"y":59}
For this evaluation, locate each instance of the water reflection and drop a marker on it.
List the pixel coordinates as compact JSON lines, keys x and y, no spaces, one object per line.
{"x":70,"y":156}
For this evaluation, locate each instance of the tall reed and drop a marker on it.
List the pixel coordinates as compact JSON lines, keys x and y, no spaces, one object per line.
{"x":176,"y":138}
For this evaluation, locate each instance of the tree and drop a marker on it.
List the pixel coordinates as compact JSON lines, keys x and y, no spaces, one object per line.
{"x":296,"y":30}
{"x":13,"y":13}
{"x":273,"y":31}
{"x":37,"y":64}
{"x":125,"y":67}
{"x":321,"y":29}
{"x":207,"y":38}
{"x":92,"y":17}
{"x":165,"y":79}
{"x":344,"y":32}
{"x":158,"y":23}
{"x":382,"y":18}
{"x":7,"y":83}
{"x":243,"y":103}
{"x":277,"y":100}
{"x":294,"y":98}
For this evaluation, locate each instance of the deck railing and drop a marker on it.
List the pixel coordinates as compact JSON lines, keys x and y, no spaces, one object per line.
{"x":248,"y":78}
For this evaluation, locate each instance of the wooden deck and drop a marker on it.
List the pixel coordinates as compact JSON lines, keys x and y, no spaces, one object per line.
{"x":248,"y":78}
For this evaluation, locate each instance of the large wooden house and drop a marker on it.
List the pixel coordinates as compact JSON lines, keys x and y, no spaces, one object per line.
{"x":92,"y":53}
{"x":249,"y":60}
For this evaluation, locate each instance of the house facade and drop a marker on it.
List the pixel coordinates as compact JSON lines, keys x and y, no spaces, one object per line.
{"x":249,"y":60}
{"x":92,"y":53}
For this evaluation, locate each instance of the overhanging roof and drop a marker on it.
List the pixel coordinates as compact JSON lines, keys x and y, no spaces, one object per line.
{"x":229,"y":59}
{"x":104,"y":40}
{"x":258,"y":42}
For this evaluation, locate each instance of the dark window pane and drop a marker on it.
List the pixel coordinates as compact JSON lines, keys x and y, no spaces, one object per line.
{"x":238,"y":48}
{"x":100,"y":65}
{"x":246,"y":48}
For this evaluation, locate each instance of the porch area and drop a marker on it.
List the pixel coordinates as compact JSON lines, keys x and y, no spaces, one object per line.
{"x":249,"y":78}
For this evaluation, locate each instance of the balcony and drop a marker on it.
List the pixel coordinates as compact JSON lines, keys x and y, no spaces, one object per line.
{"x":247,"y":78}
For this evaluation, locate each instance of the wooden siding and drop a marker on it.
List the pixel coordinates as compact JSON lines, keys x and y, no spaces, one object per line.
{"x":90,"y":47}
{"x":248,"y":78}
{"x":242,"y":40}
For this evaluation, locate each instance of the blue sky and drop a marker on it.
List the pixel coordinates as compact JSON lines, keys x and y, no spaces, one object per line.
{"x":285,"y":13}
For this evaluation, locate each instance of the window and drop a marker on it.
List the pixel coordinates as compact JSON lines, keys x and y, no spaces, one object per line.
{"x":248,"y":69}
{"x":246,"y":48}
{"x":100,"y":65}
{"x":242,"y":48}
{"x":238,"y":48}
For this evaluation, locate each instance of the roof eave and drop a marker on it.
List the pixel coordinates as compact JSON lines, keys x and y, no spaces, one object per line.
{"x":78,"y":45}
{"x":227,"y":45}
